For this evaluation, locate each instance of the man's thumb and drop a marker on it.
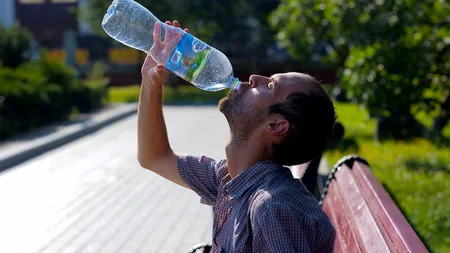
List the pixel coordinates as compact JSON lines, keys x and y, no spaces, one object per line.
{"x":160,"y":72}
{"x":160,"y":68}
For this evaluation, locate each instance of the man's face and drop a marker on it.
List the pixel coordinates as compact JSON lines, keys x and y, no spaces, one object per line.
{"x":247,"y":108}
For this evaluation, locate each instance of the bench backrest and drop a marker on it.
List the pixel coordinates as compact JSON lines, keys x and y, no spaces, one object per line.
{"x":364,"y":215}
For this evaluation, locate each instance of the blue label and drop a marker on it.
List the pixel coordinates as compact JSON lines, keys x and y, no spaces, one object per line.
{"x":189,"y":57}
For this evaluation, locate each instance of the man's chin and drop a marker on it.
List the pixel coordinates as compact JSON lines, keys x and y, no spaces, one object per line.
{"x":224,"y":103}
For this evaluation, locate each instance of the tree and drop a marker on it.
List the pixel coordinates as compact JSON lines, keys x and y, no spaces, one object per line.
{"x":393,"y":56}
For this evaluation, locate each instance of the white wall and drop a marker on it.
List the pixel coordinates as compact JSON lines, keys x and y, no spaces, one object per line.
{"x":7,"y":12}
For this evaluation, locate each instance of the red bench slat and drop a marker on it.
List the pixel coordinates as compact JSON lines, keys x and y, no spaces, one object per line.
{"x":394,"y":226}
{"x":345,"y":236}
{"x":369,"y":237}
{"x":364,"y":215}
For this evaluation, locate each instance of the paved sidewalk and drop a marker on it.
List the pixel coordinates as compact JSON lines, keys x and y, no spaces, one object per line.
{"x":91,"y":195}
{"x":29,"y":145}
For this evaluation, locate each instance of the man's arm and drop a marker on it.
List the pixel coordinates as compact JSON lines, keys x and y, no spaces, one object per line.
{"x":154,"y":151}
{"x":197,"y":173}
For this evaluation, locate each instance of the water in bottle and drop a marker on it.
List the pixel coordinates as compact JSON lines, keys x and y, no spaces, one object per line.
{"x":183,"y":54}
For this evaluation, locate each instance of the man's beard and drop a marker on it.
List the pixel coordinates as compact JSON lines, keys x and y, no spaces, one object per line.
{"x":233,"y":105}
{"x":242,"y":116}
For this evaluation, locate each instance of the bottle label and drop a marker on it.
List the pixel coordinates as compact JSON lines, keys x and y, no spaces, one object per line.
{"x":189,"y":57}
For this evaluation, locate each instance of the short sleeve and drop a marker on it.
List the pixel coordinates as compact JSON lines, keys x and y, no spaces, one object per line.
{"x":200,"y":173}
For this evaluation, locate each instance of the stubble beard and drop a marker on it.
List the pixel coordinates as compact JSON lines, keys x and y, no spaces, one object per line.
{"x":243,"y":117}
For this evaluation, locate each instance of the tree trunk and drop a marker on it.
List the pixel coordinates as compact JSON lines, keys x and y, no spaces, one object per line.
{"x":399,"y":127}
{"x":442,"y":119}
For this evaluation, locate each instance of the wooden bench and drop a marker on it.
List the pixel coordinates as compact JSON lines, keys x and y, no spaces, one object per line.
{"x":364,"y":215}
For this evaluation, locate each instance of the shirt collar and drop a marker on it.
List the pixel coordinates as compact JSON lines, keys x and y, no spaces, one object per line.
{"x":249,"y":177}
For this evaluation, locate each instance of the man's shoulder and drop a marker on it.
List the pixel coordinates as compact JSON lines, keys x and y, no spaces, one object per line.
{"x":275,"y":198}
{"x":283,"y":194}
{"x":282,"y":188}
{"x":221,"y":168}
{"x":295,"y":210}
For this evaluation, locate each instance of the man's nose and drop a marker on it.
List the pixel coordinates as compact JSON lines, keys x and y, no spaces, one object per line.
{"x":256,"y":80}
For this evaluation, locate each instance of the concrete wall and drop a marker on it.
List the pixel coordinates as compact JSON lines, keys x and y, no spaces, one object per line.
{"x":7,"y":12}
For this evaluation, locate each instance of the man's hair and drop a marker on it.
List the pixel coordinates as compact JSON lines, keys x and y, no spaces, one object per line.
{"x":311,"y":115}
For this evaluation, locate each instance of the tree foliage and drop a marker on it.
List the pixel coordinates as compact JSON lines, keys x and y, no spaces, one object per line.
{"x":394,"y":56}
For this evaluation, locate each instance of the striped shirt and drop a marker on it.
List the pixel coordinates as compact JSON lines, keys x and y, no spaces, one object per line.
{"x":263,"y":209}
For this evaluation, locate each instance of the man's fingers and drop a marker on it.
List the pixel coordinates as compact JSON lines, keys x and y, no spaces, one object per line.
{"x":168,"y":31}
{"x":160,"y":68}
{"x":149,"y":60}
{"x":157,"y":32}
{"x":160,"y":75}
{"x":177,"y":24}
{"x":161,"y":71}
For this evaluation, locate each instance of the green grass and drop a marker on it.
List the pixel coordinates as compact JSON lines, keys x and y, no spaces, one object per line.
{"x":187,"y":94}
{"x":124,"y":94}
{"x":416,"y":173}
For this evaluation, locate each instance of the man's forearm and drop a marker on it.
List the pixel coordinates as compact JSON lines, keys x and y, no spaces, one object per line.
{"x":153,"y":143}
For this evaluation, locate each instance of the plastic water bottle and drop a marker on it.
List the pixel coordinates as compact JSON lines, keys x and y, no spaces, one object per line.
{"x":183,"y":54}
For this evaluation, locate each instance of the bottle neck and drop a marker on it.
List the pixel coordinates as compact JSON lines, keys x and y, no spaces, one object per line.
{"x":234,"y":84}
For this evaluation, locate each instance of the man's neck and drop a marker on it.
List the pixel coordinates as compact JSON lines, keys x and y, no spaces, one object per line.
{"x":242,"y":155}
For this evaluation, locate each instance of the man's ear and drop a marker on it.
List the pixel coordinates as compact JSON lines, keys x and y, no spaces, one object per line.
{"x":276,"y":125}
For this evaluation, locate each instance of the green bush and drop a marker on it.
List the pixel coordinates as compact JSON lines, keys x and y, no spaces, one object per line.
{"x":29,"y":100}
{"x":89,"y":96}
{"x":32,"y":93}
{"x":15,"y":45}
{"x":39,"y":93}
{"x":36,"y":93}
{"x":93,"y":92}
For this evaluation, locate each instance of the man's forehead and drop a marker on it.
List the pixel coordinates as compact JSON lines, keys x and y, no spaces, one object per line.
{"x":286,"y":83}
{"x":289,"y":77}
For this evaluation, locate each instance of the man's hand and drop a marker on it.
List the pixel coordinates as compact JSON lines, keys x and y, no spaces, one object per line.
{"x":154,"y":74}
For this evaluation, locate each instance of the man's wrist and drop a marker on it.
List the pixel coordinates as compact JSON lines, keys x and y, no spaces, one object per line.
{"x":152,"y":92}
{"x":152,"y":88}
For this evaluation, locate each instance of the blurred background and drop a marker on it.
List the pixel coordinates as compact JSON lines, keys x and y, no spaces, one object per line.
{"x":385,"y":63}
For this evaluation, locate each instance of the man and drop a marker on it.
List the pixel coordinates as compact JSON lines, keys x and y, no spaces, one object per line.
{"x":259,"y":207}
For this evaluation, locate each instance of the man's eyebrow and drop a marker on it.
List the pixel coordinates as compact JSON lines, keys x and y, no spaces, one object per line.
{"x":275,"y":84}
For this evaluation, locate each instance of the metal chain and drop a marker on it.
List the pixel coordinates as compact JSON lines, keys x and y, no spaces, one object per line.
{"x":327,"y":184}
{"x":347,"y":160}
